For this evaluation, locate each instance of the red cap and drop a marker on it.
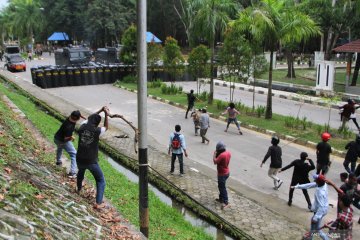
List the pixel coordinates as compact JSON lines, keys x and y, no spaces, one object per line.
{"x":320,"y":178}
{"x":325,"y":136}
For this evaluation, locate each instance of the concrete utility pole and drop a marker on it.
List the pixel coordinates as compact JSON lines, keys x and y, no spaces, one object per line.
{"x":142,"y":117}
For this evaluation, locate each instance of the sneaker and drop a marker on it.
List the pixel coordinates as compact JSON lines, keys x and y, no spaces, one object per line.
{"x":182,"y":174}
{"x":289,"y":203}
{"x":71,"y":175}
{"x":240,"y":132}
{"x":279,"y":183}
{"x":359,"y":221}
{"x":58,"y":163}
{"x":172,"y":173}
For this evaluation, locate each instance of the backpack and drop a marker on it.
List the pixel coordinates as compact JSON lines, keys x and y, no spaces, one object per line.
{"x":175,"y":142}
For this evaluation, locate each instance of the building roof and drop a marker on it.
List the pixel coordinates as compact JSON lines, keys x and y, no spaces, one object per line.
{"x":59,"y":36}
{"x":353,"y":46}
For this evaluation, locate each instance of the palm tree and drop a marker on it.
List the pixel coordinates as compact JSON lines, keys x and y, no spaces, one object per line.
{"x":272,"y":22}
{"x":211,"y":19}
{"x":26,"y":17}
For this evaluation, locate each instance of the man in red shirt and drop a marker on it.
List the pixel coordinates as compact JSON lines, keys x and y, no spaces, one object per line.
{"x":221,"y":158}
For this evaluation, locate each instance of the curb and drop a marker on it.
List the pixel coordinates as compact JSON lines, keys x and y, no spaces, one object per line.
{"x":289,"y":138}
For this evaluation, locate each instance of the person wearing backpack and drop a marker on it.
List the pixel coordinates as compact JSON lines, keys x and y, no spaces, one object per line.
{"x":177,"y":147}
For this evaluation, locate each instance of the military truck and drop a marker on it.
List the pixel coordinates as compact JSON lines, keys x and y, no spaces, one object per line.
{"x":72,"y":56}
{"x":108,"y":55}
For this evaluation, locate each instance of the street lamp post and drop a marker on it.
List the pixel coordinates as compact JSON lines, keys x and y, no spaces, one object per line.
{"x":142,"y":117}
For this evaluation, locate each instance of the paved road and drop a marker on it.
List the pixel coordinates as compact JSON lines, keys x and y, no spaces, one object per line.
{"x":247,"y":150}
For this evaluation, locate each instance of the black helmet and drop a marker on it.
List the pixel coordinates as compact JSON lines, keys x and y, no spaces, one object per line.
{"x":275,"y":140}
{"x":357,"y":139}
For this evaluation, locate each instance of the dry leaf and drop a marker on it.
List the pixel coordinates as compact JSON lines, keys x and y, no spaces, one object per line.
{"x":8,"y":170}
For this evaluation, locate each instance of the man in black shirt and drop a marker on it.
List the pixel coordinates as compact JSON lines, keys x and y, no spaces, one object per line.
{"x":352,"y":154}
{"x":191,"y":101}
{"x":323,"y":150}
{"x":87,"y":157}
{"x":300,"y":175}
{"x":63,"y":139}
{"x":275,"y":153}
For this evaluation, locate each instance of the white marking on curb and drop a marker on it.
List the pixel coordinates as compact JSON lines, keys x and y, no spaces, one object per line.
{"x":194,"y":169}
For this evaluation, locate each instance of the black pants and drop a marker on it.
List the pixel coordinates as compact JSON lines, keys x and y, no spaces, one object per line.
{"x":305,"y":192}
{"x":323,"y":168}
{"x":190,"y":106}
{"x":352,"y":165}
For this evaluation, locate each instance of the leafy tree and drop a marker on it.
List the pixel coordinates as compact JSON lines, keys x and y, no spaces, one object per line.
{"x":211,"y":19}
{"x":25,"y":27}
{"x":186,"y":11}
{"x":129,"y":52}
{"x":271,"y":22}
{"x":173,"y":59}
{"x":154,"y":55}
{"x":235,"y":55}
{"x":333,"y":17}
{"x":198,"y":64}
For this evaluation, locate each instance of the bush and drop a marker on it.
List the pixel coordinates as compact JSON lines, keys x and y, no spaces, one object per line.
{"x":260,"y":110}
{"x":172,"y":89}
{"x":203,"y":96}
{"x":155,"y":84}
{"x":220,"y":105}
{"x":129,"y":79}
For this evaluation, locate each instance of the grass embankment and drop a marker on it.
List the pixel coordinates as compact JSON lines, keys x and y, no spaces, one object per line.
{"x":165,"y":222}
{"x":278,"y":123}
{"x":306,"y":77}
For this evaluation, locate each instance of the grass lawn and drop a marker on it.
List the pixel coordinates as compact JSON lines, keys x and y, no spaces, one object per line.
{"x":306,"y":77}
{"x":165,"y":222}
{"x":277,"y":123}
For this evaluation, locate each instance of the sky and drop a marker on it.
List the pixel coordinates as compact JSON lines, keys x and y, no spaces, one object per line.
{"x":3,"y":3}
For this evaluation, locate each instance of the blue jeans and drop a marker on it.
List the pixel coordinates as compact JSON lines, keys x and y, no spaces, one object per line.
{"x":69,"y":148}
{"x":230,"y":120}
{"x":99,"y":178}
{"x":315,"y":230}
{"x":181,"y":162}
{"x":223,"y":196}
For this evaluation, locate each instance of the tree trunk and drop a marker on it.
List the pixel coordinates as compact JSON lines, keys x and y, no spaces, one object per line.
{"x":356,"y":71}
{"x":268,"y":113}
{"x":290,"y":63}
{"x":211,"y":95}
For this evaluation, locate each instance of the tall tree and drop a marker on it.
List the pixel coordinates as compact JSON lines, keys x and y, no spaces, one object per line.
{"x":211,"y":19}
{"x":271,"y":21}
{"x":25,"y":27}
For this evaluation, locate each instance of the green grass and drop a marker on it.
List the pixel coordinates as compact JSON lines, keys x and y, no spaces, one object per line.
{"x":306,"y":77}
{"x":277,"y":123}
{"x":165,"y":222}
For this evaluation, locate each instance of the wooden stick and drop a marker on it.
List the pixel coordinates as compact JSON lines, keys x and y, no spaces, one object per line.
{"x":136,"y":138}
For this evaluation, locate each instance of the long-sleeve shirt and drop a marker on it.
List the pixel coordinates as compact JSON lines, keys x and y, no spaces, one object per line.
{"x":301,"y":169}
{"x":321,"y":202}
{"x":182,"y":142}
{"x":275,"y":153}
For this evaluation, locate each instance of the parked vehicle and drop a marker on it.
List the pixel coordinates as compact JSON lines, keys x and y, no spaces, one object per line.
{"x":72,"y":56}
{"x":14,"y":62}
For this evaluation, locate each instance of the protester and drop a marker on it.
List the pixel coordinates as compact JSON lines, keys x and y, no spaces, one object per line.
{"x":204,"y":125}
{"x":353,"y":115}
{"x":300,"y":175}
{"x":221,"y":158}
{"x":323,"y":150}
{"x":319,"y":206}
{"x":87,"y":157}
{"x":343,"y":224}
{"x":232,"y":113}
{"x":29,"y":56}
{"x":274,"y":152}
{"x":196,"y":119}
{"x":347,"y":110}
{"x":63,"y":139}
{"x":352,"y":154}
{"x":191,"y":101}
{"x":177,"y":147}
